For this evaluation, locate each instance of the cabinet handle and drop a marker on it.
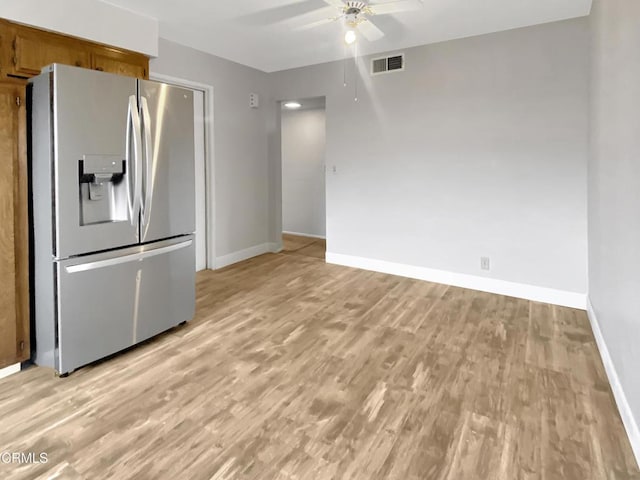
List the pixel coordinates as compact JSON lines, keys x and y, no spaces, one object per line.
{"x":14,"y":47}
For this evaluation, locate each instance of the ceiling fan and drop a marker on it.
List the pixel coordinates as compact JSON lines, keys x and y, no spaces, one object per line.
{"x":356,"y":15}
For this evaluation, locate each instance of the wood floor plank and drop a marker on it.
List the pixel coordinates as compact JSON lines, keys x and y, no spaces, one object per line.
{"x":306,"y":246}
{"x":296,"y":369}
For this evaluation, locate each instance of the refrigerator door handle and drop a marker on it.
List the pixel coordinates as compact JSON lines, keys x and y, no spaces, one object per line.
{"x":117,"y":260}
{"x":134,"y":166}
{"x":127,"y":158}
{"x":148,"y":158}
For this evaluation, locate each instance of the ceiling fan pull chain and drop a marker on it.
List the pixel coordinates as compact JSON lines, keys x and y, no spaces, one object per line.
{"x":344,"y":66}
{"x":356,"y":73}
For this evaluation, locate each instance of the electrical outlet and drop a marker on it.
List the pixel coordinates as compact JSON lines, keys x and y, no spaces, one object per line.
{"x":485,"y":263}
{"x":254,"y":100}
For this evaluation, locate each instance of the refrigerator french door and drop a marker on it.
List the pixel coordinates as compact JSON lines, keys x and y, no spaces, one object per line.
{"x":113,"y":212}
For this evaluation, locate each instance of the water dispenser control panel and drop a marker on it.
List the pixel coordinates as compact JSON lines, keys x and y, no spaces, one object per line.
{"x":102,"y":193}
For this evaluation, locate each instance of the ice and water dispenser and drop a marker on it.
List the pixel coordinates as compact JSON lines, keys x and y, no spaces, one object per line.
{"x":103,"y":189}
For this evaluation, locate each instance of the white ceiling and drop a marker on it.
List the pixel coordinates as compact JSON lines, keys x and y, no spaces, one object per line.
{"x":262,"y":33}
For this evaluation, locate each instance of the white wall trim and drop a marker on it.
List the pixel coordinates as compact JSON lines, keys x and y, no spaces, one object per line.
{"x":323,"y":237}
{"x":275,"y":247}
{"x":210,"y":198}
{"x":628,"y":420}
{"x":491,"y":285}
{"x":247,"y":253}
{"x":10,"y":370}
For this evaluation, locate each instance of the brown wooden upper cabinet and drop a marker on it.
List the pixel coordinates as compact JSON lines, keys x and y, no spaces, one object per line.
{"x":33,"y":49}
{"x":24,"y":51}
{"x":122,"y":63}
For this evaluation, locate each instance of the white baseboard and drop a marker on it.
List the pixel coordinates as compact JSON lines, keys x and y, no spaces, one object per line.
{"x":629,"y":421}
{"x":484,"y":284}
{"x":10,"y":370}
{"x":311,"y":235}
{"x":239,"y":256}
{"x":275,"y":247}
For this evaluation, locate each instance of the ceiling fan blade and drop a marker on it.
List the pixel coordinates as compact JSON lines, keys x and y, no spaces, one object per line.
{"x":370,"y":31}
{"x":318,"y":23}
{"x":395,"y":7}
{"x":314,"y":19}
{"x":335,"y":3}
{"x":279,"y":14}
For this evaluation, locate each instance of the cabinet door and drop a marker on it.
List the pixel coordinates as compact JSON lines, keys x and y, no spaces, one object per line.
{"x":6,"y":50}
{"x":33,"y":50}
{"x":14,"y":315}
{"x":121,"y":63}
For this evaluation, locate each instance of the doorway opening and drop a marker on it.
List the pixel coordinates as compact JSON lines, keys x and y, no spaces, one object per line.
{"x":303,"y":130}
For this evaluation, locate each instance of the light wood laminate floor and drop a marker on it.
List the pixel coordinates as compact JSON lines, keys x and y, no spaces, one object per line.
{"x":307,"y":246}
{"x":294,"y":369}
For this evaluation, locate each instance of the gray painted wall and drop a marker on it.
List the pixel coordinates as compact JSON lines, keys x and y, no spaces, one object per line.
{"x":241,"y":197}
{"x":614,"y":186}
{"x":303,"y":152}
{"x":478,"y":149}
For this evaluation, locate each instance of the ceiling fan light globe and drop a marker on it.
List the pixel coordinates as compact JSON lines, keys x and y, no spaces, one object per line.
{"x":350,"y":37}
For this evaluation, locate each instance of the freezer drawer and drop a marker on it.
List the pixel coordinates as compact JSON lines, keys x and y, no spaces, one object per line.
{"x":167,"y":290}
{"x":96,"y":307}
{"x":110,"y":301}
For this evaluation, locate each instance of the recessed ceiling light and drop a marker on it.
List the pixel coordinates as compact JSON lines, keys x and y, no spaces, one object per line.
{"x":292,"y":105}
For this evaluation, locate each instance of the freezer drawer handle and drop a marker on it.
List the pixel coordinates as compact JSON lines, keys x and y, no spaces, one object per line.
{"x":83,"y":267}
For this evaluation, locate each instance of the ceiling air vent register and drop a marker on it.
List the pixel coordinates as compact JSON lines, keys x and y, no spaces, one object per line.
{"x":391,"y":64}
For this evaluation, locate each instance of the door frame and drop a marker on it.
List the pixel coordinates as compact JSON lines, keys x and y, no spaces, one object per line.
{"x":279,"y":199}
{"x":209,"y":157}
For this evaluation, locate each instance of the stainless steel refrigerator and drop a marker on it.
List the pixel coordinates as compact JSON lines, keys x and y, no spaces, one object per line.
{"x":113,"y":212}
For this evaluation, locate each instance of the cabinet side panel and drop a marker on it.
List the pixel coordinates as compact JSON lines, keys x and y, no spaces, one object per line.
{"x":8,"y":157}
{"x":22,"y":237}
